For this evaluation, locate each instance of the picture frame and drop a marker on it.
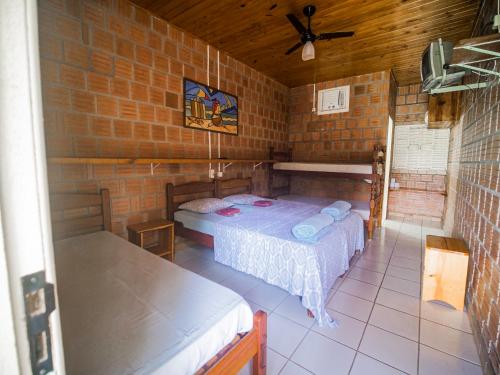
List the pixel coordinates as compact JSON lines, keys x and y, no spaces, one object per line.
{"x":210,"y":109}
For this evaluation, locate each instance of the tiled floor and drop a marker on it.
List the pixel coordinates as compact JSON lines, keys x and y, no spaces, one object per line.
{"x":384,"y":328}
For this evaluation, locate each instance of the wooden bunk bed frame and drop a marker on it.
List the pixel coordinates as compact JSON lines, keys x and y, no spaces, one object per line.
{"x":376,"y":177}
{"x":233,"y":357}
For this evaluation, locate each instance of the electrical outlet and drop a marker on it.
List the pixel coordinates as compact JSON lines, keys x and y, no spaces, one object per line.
{"x":219,"y":174}
{"x":211,"y":173}
{"x":496,"y":22}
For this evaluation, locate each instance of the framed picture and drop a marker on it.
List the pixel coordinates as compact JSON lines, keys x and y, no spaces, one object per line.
{"x":208,"y":108}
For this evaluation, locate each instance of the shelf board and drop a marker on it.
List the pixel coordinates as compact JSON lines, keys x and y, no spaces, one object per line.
{"x":142,"y":161}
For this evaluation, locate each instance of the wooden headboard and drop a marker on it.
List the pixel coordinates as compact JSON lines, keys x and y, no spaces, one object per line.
{"x":176,"y":195}
{"x":225,"y":188}
{"x":79,"y":213}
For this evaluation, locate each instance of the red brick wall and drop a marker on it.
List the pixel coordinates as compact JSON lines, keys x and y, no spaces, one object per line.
{"x":421,"y":194}
{"x":112,"y":87}
{"x":348,"y":136}
{"x":477,"y":215}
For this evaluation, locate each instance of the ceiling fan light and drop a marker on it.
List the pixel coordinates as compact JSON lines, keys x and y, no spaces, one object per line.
{"x":308,"y":51}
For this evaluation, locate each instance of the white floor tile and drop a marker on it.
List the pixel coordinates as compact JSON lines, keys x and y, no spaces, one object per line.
{"x":241,"y":283}
{"x":359,"y":289}
{"x":291,"y":308}
{"x":364,"y":365}
{"x":401,"y":286}
{"x":391,"y":349}
{"x":433,"y":362}
{"x":197,"y":264}
{"x":395,"y":321}
{"x":371,"y":265}
{"x":377,"y":257}
{"x":255,"y":307}
{"x":404,"y":273}
{"x":412,"y":264}
{"x":348,"y":332}
{"x":321,"y":355}
{"x":350,"y":305}
{"x":445,"y":315}
{"x":283,"y":335}
{"x":266,"y":295}
{"x":398,"y":301}
{"x":448,"y":340}
{"x":414,"y":253}
{"x":366,"y":276}
{"x":275,"y":362}
{"x":294,"y":369}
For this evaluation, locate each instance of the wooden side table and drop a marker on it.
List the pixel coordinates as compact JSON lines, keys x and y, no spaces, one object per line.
{"x":166,"y":237}
{"x":445,"y":273}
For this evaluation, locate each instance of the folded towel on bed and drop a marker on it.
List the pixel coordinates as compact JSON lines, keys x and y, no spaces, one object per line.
{"x":341,"y":216}
{"x":263,"y":203}
{"x":336,"y":208}
{"x":229,"y":211}
{"x":311,"y":226}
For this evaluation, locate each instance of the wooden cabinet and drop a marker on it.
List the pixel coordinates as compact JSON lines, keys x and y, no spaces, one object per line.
{"x":445,"y":273}
{"x":166,"y":238}
{"x":444,"y":110}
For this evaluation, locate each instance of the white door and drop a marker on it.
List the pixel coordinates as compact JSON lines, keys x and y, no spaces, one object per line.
{"x":25,"y":235}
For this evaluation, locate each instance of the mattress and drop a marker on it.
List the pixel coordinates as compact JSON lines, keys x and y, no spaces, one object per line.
{"x":124,"y":310}
{"x":361,"y":207}
{"x":325,"y":167}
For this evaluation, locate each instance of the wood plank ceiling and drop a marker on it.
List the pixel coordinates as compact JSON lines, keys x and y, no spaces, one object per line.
{"x":389,"y":34}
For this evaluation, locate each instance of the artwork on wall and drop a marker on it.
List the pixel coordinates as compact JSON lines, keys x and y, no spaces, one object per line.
{"x":208,"y":108}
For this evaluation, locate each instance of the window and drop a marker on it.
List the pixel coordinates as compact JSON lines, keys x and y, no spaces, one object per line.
{"x":419,"y":148}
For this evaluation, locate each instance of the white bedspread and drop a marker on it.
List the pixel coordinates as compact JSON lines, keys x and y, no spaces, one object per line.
{"x":260,"y":242}
{"x":126,"y":311}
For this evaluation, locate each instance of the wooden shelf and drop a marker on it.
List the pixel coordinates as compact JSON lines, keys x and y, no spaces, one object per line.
{"x":142,"y":161}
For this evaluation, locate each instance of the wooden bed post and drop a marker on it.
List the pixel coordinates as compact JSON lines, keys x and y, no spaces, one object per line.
{"x":106,"y":209}
{"x":259,"y":366}
{"x":170,"y":201}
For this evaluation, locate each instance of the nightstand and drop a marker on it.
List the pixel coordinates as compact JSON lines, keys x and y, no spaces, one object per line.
{"x":166,"y":237}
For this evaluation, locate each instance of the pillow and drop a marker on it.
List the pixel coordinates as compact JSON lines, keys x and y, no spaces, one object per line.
{"x":247,"y":199}
{"x":205,"y":205}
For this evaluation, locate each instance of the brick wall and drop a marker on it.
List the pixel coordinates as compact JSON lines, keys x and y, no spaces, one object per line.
{"x":421,"y":193}
{"x":477,"y":218}
{"x":348,"y":136}
{"x":112,"y":87}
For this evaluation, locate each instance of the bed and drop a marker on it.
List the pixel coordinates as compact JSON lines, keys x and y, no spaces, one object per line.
{"x":125,"y":310}
{"x":371,"y":173}
{"x":259,"y":242}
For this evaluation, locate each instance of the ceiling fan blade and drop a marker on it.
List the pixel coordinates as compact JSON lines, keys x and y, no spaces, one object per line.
{"x":296,"y":23}
{"x":298,"y":45}
{"x":341,"y":34}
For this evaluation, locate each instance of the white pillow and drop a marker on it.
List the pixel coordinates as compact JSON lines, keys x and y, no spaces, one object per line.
{"x":247,"y":199}
{"x":205,"y":205}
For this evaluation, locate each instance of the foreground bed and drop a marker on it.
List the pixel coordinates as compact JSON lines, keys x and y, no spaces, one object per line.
{"x":259,"y":241}
{"x":124,"y":310}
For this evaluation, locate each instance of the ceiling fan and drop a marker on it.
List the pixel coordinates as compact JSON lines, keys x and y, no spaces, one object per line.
{"x":307,"y":38}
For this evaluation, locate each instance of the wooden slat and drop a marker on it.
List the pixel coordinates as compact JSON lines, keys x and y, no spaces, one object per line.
{"x":69,"y":160}
{"x":142,"y":161}
{"x":76,"y":225}
{"x":60,"y":202}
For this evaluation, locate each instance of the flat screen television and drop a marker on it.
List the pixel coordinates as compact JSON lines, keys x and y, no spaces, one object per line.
{"x":435,"y":57}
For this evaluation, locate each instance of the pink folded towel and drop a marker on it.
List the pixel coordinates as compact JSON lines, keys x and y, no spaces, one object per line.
{"x":263,"y":203}
{"x":230,"y":211}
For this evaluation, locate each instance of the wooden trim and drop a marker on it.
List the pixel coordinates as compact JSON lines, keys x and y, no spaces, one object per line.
{"x":233,"y":357}
{"x":72,"y":201}
{"x":224,"y":188}
{"x":176,"y":195}
{"x":106,"y":209}
{"x":199,"y":237}
{"x":142,"y":161}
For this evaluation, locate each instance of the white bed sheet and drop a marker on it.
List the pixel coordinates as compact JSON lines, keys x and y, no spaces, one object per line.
{"x":325,"y":167}
{"x":124,"y":310}
{"x":361,"y":207}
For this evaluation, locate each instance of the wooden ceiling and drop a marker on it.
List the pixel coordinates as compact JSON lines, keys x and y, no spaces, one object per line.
{"x":389,"y":34}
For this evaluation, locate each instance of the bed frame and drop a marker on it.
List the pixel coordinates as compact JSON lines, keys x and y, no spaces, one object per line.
{"x":94,"y":214}
{"x":377,"y":178}
{"x":176,"y":195}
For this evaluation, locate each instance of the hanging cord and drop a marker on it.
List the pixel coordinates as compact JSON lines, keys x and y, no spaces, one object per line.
{"x":209,"y":132}
{"x":218,"y":134}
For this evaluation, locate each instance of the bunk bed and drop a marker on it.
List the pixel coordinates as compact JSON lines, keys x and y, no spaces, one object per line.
{"x":372,"y":173}
{"x":259,"y":241}
{"x":125,"y":310}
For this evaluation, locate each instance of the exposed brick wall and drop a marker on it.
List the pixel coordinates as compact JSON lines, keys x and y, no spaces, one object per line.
{"x":348,"y":136}
{"x":421,"y":193}
{"x":477,"y":214}
{"x":112,"y":87}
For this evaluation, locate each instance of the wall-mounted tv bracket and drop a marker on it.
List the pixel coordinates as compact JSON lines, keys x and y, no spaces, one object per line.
{"x":470,"y":66}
